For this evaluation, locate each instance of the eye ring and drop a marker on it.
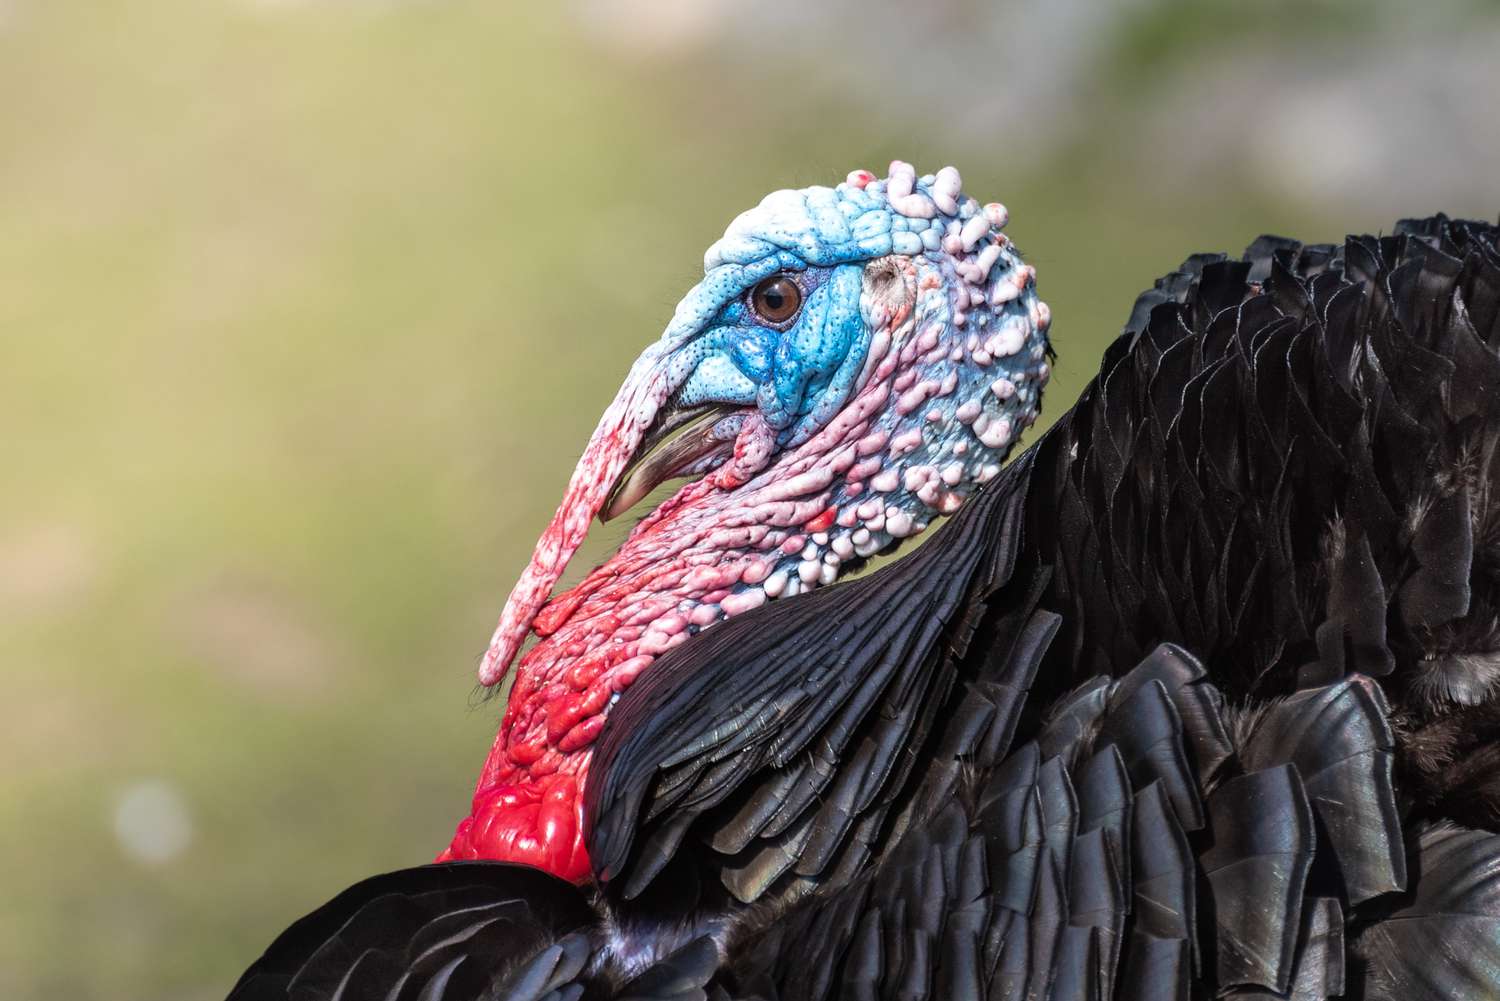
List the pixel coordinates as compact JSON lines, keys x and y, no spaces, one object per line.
{"x":775,"y":300}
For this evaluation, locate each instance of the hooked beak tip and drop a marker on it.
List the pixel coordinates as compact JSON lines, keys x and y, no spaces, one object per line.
{"x":679,"y":439}
{"x":626,"y":494}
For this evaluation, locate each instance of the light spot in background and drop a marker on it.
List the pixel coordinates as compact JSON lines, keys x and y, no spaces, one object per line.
{"x":152,"y":822}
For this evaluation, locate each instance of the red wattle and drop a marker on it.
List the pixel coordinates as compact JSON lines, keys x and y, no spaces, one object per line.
{"x":541,"y":826}
{"x":701,"y":556}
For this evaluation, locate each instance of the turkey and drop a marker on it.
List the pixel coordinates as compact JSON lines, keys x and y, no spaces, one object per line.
{"x":1197,"y":697}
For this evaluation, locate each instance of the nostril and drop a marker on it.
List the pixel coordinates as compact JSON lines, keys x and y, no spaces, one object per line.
{"x":888,"y":284}
{"x":882,"y":274}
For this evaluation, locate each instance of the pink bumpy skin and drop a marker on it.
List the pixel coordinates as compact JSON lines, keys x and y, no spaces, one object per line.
{"x":953,"y":347}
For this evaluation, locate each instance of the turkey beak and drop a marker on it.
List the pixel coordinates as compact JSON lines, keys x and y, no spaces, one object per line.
{"x":676,"y":441}
{"x":615,"y":444}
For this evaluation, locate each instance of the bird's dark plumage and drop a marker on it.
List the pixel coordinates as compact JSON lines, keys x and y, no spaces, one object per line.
{"x":1199,"y":698}
{"x":440,"y":931}
{"x":1288,"y":465}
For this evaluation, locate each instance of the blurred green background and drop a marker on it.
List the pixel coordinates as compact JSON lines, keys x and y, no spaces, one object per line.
{"x":306,"y":307}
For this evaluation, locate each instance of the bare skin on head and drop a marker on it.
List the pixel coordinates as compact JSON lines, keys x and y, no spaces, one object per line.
{"x":855,"y":363}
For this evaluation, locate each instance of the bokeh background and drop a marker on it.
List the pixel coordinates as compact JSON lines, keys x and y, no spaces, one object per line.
{"x":306,"y":307}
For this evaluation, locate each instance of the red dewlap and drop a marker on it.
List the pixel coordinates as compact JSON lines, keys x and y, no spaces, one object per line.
{"x":539,"y":824}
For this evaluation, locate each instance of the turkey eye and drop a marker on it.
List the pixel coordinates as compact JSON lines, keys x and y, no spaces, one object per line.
{"x":776,"y":299}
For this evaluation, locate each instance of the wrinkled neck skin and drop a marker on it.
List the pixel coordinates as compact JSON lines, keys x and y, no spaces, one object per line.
{"x":952,"y":374}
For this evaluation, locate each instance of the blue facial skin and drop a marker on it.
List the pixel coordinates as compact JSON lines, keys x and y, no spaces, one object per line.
{"x":798,"y":377}
{"x":973,"y":343}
